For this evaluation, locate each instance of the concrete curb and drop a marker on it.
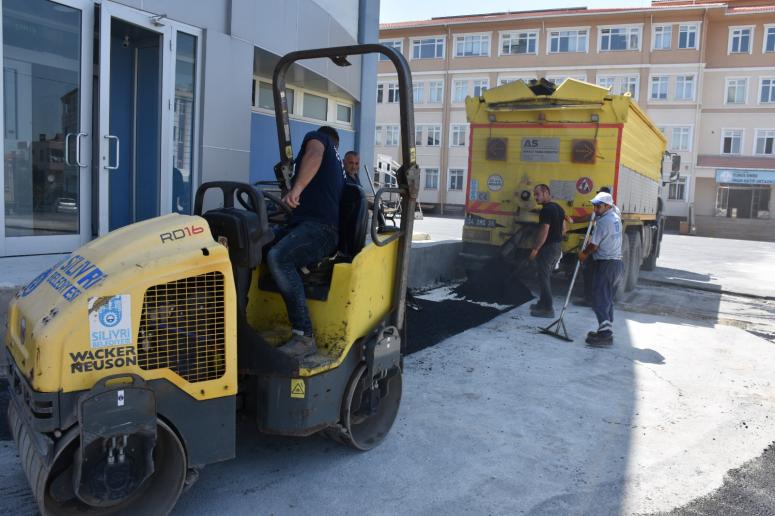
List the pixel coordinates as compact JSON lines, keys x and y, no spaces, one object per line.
{"x":705,"y":287}
{"x":434,"y":263}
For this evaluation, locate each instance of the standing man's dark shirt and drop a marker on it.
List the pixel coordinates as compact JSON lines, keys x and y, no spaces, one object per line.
{"x":319,"y":201}
{"x":552,"y":214}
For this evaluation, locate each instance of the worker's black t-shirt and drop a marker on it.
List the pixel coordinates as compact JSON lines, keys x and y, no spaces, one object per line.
{"x":552,"y":214}
{"x":320,"y":199}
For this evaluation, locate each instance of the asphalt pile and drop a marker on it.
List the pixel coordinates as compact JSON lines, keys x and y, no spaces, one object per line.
{"x":430,"y":322}
{"x":496,"y":285}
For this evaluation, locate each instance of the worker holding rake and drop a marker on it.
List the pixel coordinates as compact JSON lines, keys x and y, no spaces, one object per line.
{"x":605,"y":247}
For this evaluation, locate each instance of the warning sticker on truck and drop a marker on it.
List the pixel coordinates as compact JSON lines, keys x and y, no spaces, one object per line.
{"x":540,"y":150}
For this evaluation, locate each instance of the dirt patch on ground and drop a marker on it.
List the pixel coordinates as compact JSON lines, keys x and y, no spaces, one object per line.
{"x":746,"y":491}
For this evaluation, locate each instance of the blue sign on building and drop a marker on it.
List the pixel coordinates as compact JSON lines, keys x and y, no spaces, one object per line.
{"x":745,"y":177}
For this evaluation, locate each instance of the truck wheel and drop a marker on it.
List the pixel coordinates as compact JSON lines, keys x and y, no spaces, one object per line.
{"x":650,"y":263}
{"x":622,"y":288}
{"x":636,"y":257}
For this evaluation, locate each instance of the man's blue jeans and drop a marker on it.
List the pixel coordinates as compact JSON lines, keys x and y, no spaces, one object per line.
{"x":297,"y":246}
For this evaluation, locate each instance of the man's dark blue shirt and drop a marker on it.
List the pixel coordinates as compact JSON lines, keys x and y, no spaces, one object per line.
{"x":319,"y":201}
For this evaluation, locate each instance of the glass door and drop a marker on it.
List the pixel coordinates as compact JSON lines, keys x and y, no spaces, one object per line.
{"x":135,"y":162}
{"x":46,"y":123}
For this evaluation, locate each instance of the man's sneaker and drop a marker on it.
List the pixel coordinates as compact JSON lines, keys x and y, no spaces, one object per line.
{"x":300,"y":346}
{"x":600,"y":339}
{"x":542,"y":312}
{"x":535,"y":306}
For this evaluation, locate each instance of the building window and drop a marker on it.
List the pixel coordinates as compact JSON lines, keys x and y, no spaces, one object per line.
{"x":455,"y":179}
{"x":392,"y":93}
{"x":344,"y":113}
{"x":428,"y":48}
{"x":378,"y":141}
{"x":391,"y":135}
{"x":736,"y":89}
{"x":619,"y":38}
{"x":509,"y":80}
{"x":435,"y":92}
{"x":731,"y":141}
{"x":457,"y":136}
{"x":769,"y":40}
{"x":380,"y":93}
{"x":460,"y":91}
{"x":619,"y":85}
{"x":764,"y":142}
{"x":631,"y":84}
{"x":434,"y":135}
{"x":265,"y":98}
{"x":684,"y":87}
{"x":606,"y":82}
{"x":680,"y":138}
{"x":677,"y":190}
{"x":315,"y":107}
{"x":558,"y":79}
{"x":767,"y":91}
{"x":740,"y":40}
{"x":392,"y":43}
{"x":418,"y":135}
{"x":659,"y":87}
{"x":471,"y":45}
{"x":480,"y":86}
{"x":663,"y":37}
{"x":418,"y":92}
{"x":687,"y":36}
{"x":524,"y":42}
{"x":568,"y":41}
{"x":431,"y":178}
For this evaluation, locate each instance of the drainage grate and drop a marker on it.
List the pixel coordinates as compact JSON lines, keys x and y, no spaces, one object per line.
{"x":182,"y":328}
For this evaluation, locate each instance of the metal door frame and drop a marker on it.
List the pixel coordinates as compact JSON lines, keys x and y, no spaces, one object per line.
{"x":43,"y":244}
{"x":155,"y":23}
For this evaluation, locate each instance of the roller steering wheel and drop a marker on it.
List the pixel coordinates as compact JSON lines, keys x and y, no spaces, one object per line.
{"x":281,"y":213}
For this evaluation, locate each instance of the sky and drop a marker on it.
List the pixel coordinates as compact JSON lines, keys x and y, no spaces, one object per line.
{"x":408,"y":10}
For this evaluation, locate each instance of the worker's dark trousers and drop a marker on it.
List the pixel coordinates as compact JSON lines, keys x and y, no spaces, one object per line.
{"x":588,"y":273}
{"x":608,"y":274}
{"x":300,"y":245}
{"x":545,"y":262}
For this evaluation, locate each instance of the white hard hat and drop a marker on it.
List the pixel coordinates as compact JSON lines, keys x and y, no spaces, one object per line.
{"x":603,"y":198}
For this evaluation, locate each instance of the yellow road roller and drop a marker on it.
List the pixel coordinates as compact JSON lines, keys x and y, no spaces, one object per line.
{"x":129,"y":359}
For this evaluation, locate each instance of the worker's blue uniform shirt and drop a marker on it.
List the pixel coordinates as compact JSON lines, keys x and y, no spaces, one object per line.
{"x":608,"y":236}
{"x":319,"y":202}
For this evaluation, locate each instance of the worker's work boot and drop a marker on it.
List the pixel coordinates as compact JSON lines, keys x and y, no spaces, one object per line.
{"x":545,"y":313}
{"x":600,"y":338}
{"x":300,"y":346}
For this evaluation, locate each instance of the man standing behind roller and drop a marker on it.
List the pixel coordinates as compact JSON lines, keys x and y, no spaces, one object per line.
{"x":546,"y":250}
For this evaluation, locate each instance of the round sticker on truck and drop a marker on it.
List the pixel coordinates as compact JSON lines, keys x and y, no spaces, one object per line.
{"x":495,"y":183}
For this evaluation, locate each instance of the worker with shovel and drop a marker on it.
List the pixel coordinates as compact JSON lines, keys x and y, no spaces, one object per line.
{"x":605,"y":247}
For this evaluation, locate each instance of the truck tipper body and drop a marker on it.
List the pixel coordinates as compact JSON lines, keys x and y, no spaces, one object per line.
{"x":576,"y":138}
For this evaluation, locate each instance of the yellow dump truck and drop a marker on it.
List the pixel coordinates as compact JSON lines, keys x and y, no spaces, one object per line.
{"x":576,"y":138}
